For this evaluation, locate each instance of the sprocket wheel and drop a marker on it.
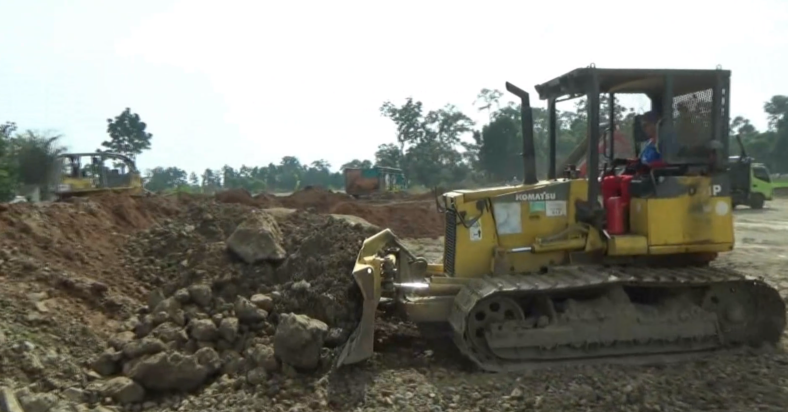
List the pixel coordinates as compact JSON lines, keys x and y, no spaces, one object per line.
{"x":489,"y":311}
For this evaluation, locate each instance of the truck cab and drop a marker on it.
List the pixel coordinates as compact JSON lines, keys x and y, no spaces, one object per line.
{"x":751,"y":183}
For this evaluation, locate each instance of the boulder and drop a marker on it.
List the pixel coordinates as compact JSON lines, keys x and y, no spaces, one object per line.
{"x":121,"y":339}
{"x":201,"y":294}
{"x":123,"y":390}
{"x":145,"y":346}
{"x":246,"y":311}
{"x":298,"y":340}
{"x":257,"y":239}
{"x":263,"y":355}
{"x":228,"y":329}
{"x":174,"y":371}
{"x":256,"y":376}
{"x":38,"y":402}
{"x":203,"y":330}
{"x":106,"y":364}
{"x":169,"y":309}
{"x":263,"y":302}
{"x":170,"y":332}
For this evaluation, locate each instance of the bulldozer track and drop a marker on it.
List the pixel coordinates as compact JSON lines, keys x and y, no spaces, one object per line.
{"x":641,"y":342}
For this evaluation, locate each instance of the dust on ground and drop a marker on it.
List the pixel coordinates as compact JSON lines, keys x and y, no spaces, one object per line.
{"x":122,"y":303}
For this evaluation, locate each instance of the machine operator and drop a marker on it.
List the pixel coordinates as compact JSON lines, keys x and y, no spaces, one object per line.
{"x":651,"y":153}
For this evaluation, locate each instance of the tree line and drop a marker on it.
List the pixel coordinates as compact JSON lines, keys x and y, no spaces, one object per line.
{"x":445,"y":147}
{"x":440,"y":147}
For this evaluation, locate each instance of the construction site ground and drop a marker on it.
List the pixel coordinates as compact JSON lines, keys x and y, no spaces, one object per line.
{"x":131,"y":304}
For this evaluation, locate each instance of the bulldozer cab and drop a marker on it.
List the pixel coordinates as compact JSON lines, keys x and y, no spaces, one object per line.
{"x":88,"y":173}
{"x":691,"y":108}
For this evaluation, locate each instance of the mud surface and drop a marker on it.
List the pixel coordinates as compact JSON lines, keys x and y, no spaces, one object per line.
{"x":80,"y":279}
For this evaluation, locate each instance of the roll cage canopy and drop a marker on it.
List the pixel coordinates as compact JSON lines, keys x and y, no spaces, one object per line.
{"x":698,"y":113}
{"x":648,"y":81}
{"x":103,"y":156}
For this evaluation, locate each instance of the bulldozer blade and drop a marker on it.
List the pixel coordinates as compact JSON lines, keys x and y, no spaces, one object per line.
{"x":367,"y":274}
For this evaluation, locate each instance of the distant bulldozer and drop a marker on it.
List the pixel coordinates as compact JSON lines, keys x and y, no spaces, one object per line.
{"x":86,"y":174}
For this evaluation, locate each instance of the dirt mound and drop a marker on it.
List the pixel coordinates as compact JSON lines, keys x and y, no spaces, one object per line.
{"x":243,"y":197}
{"x":239,"y":196}
{"x":314,"y":198}
{"x":406,"y":220}
{"x":429,"y":195}
{"x":267,"y":200}
{"x":79,"y":239}
{"x":62,"y":287}
{"x":407,"y":215}
{"x":209,"y":318}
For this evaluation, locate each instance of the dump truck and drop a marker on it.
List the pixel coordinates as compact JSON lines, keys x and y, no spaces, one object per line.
{"x":617,"y":265}
{"x":362,"y":182}
{"x":751,"y":183}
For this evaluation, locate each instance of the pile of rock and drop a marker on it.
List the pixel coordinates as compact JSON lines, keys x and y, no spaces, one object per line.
{"x":264,"y":313}
{"x":191,"y":336}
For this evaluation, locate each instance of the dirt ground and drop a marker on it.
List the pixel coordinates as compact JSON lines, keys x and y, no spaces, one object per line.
{"x":77,"y":278}
{"x":731,"y":382}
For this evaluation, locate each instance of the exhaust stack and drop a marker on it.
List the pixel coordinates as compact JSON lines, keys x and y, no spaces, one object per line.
{"x":529,"y":152}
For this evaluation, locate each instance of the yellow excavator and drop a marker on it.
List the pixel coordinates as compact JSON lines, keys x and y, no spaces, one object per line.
{"x":87,"y":174}
{"x":616,"y":265}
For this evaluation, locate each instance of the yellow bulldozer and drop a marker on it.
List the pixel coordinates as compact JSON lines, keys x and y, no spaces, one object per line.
{"x":87,"y":174}
{"x":615,"y":265}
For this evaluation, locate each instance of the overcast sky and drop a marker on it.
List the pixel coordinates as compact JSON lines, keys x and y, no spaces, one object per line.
{"x":247,"y":82}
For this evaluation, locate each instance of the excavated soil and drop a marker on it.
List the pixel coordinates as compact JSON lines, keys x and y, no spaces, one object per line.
{"x":408,"y":216}
{"x":79,"y":279}
{"x":408,"y":220}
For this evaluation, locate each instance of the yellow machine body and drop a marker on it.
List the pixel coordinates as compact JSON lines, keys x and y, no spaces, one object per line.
{"x":685,"y":224}
{"x":532,"y":275}
{"x":88,"y":174}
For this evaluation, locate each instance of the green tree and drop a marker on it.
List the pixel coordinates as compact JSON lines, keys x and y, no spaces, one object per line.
{"x":408,"y":119}
{"x":776,"y":109}
{"x":128,"y":135}
{"x":35,"y":155}
{"x":194,"y":181}
{"x":777,"y":113}
{"x":429,"y":142}
{"x":499,"y":142}
{"x":355,"y":163}
{"x":754,"y":142}
{"x":770,"y":146}
{"x":163,"y":178}
{"x":8,"y":178}
{"x":211,"y":181}
{"x":389,"y":155}
{"x":486,"y":99}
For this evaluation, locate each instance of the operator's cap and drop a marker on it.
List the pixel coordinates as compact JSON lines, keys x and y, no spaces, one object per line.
{"x":651,"y":116}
